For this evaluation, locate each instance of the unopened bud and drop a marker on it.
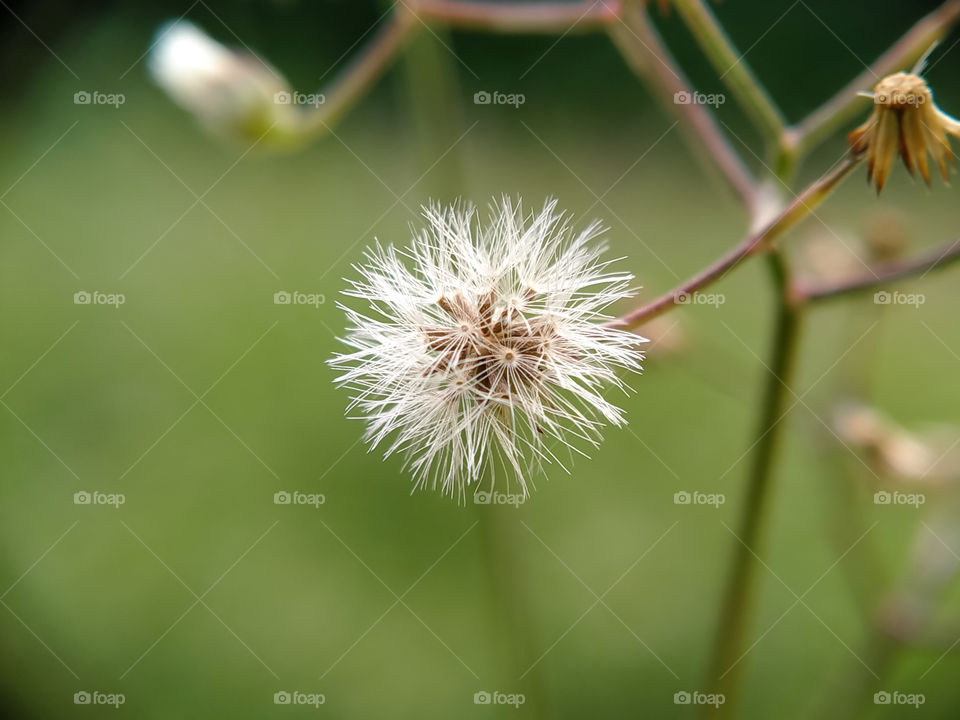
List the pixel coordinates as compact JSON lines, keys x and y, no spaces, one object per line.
{"x":231,"y":93}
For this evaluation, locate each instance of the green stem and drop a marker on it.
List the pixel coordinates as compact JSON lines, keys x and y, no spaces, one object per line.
{"x":843,"y":478}
{"x":854,"y":697}
{"x":901,"y":617}
{"x":732,"y":67}
{"x":512,"y":614}
{"x":432,"y":94}
{"x":727,"y":662}
{"x":645,"y":54}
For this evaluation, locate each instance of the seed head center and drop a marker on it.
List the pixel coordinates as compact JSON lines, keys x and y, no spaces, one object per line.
{"x":492,"y":346}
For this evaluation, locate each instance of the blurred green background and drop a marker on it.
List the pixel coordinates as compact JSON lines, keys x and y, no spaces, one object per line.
{"x":199,"y":398}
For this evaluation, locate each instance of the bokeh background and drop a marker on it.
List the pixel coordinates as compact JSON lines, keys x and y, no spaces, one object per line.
{"x":199,"y":398}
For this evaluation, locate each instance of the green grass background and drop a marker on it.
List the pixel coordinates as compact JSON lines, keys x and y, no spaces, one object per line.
{"x":301,"y":597}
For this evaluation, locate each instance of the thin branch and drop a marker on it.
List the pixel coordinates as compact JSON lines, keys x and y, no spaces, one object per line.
{"x":647,"y":56}
{"x":813,"y":291}
{"x":800,"y":208}
{"x":732,"y":67}
{"x":354,"y":81}
{"x":374,"y":59}
{"x":545,"y":17}
{"x":845,"y":104}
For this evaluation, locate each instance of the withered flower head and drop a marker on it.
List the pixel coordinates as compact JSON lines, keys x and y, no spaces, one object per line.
{"x":904,"y":120}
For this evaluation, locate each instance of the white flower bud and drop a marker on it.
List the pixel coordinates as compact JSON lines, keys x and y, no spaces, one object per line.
{"x":232,"y":93}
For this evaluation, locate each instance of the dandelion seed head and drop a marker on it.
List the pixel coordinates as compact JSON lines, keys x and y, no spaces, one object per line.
{"x":482,"y":350}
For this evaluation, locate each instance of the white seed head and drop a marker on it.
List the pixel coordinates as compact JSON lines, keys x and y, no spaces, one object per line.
{"x":482,"y":346}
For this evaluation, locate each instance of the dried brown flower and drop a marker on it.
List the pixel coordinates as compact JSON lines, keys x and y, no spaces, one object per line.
{"x":904,"y":120}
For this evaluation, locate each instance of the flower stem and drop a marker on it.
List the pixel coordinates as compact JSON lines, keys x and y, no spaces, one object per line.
{"x":354,"y":82}
{"x":732,"y":68}
{"x":511,"y":608}
{"x":432,"y":92}
{"x":761,"y":240}
{"x":539,"y":17}
{"x":740,"y":593}
{"x":374,"y":59}
{"x":645,"y":54}
{"x":936,"y":259}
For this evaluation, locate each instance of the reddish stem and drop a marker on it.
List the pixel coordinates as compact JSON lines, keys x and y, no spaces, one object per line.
{"x":802,"y":206}
{"x":810,"y":291}
{"x":545,"y":17}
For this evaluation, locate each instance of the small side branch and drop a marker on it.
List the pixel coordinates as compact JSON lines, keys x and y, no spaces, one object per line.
{"x":649,"y":58}
{"x":732,"y":68}
{"x":800,"y":208}
{"x":937,"y":259}
{"x":358,"y":77}
{"x":545,"y":17}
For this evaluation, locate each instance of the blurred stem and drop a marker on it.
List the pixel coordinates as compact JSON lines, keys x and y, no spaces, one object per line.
{"x":645,"y":54}
{"x":936,"y":259}
{"x":518,"y":17}
{"x":865,"y":569}
{"x":407,"y":18}
{"x":899,"y":619}
{"x":855,"y":697}
{"x":845,"y":104}
{"x":792,"y":301}
{"x":801,"y":207}
{"x":727,"y":663}
{"x":732,"y":67}
{"x":360,"y":75}
{"x":844,"y":514}
{"x":433,"y":96}
{"x":512,"y":611}
{"x":843,"y":486}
